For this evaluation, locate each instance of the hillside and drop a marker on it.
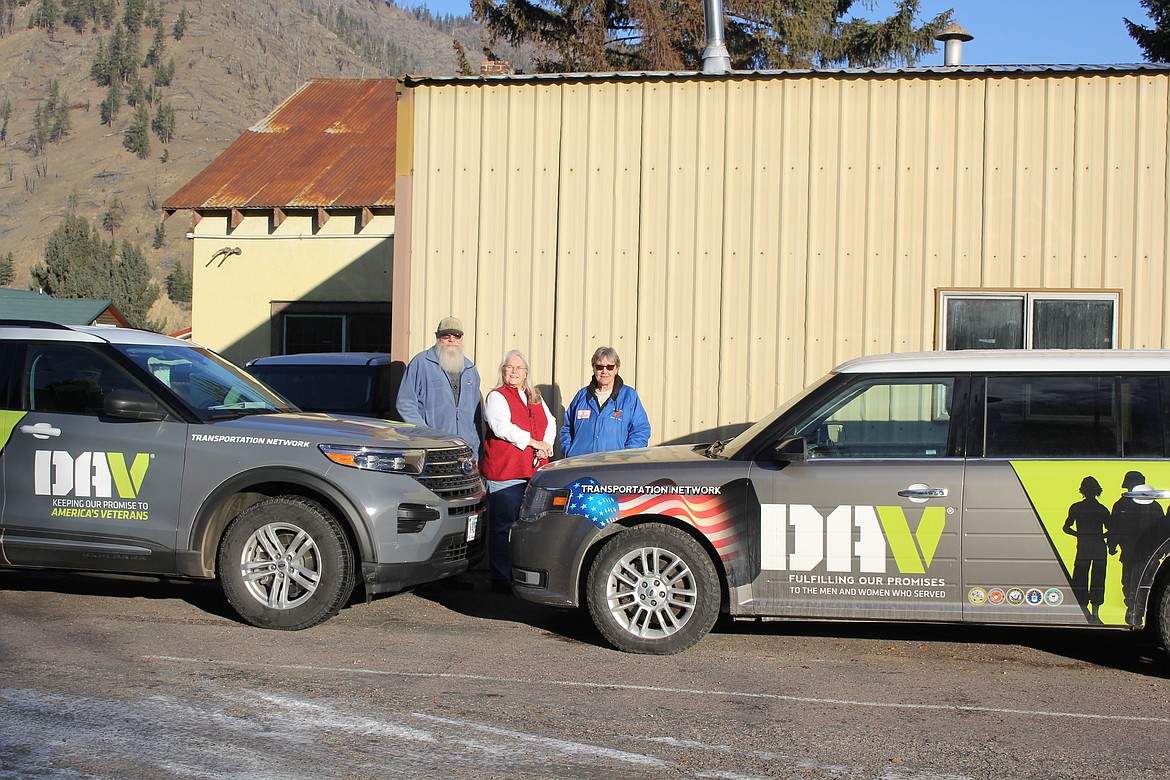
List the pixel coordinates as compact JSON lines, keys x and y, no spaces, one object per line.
{"x":234,"y":63}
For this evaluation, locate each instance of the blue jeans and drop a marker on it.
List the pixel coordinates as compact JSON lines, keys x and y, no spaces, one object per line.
{"x":503,"y":509}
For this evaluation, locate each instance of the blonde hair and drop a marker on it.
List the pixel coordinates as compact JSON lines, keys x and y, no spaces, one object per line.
{"x":533,"y":393}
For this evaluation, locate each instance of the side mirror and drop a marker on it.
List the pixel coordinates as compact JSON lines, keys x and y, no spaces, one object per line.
{"x":133,"y":405}
{"x":793,"y":449}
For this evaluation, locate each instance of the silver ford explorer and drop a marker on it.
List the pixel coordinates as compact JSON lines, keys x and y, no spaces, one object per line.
{"x":1006,"y":487}
{"x":127,"y":451}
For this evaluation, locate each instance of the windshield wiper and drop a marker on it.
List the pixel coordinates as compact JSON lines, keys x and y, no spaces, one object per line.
{"x":716,"y":448}
{"x":224,"y":413}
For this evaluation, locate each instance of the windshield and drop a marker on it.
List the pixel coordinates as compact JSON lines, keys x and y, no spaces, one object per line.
{"x":211,"y":386}
{"x":731,"y":448}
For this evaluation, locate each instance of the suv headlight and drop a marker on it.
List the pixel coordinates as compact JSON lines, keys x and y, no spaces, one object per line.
{"x":377,"y":458}
{"x":539,"y":501}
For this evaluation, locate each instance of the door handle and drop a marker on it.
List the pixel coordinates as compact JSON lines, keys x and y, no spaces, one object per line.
{"x":41,"y":430}
{"x":923,"y":491}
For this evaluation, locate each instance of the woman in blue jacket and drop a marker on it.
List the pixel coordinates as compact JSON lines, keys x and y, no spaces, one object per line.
{"x":606,"y":414}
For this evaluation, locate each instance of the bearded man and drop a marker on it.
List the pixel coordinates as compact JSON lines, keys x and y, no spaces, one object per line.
{"x":441,"y":387}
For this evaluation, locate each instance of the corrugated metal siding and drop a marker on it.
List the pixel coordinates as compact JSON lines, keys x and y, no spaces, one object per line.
{"x":735,"y":238}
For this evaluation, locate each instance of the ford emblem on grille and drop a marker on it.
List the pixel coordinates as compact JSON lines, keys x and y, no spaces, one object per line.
{"x":466,"y":465}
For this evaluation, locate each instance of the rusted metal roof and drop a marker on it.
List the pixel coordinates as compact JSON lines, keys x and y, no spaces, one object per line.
{"x":329,"y":145}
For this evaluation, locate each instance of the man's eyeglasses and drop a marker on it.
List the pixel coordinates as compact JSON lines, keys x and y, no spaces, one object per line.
{"x":600,"y":367}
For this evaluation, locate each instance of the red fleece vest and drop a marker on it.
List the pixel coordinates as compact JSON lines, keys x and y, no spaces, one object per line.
{"x":502,"y":460}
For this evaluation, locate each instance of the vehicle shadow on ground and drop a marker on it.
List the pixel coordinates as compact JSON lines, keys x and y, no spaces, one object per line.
{"x":1129,"y":651}
{"x":480,"y":601}
{"x":204,"y":595}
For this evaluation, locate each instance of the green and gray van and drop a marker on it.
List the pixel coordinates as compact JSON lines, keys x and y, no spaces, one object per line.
{"x":1000,"y":487}
{"x":127,"y":451}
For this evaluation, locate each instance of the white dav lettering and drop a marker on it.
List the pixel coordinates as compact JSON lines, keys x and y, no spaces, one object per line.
{"x":89,"y":474}
{"x":848,"y":533}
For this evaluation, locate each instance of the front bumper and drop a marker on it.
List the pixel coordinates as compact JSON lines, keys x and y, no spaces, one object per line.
{"x":453,"y":555}
{"x":548,"y":555}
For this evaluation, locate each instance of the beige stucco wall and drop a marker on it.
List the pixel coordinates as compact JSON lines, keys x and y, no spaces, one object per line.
{"x":735,"y":237}
{"x":232,"y":296}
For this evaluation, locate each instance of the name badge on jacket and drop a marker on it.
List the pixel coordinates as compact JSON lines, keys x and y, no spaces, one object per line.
{"x":583,"y":414}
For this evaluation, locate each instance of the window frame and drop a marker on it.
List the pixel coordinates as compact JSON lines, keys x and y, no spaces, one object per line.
{"x":280,"y":311}
{"x":1029,"y":298}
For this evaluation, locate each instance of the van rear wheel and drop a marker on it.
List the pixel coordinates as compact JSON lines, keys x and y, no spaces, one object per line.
{"x":285,"y":563}
{"x":653,"y":589}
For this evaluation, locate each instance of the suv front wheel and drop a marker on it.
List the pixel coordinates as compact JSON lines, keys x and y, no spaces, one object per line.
{"x":653,"y":589}
{"x":285,"y":563}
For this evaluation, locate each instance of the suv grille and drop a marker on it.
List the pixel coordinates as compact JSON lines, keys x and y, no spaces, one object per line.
{"x":444,"y":474}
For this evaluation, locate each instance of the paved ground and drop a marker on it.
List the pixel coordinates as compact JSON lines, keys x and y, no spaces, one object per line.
{"x":126,"y":677}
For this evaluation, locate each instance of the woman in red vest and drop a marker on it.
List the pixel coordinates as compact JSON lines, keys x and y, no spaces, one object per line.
{"x":519,"y":437}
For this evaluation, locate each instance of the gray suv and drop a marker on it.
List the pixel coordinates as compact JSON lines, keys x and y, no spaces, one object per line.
{"x":127,"y":451}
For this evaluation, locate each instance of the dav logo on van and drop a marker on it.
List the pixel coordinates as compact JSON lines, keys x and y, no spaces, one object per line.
{"x":848,"y":532}
{"x":90,"y":474}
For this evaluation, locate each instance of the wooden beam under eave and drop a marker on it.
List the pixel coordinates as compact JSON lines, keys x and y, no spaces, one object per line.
{"x":322,"y":217}
{"x":278,"y":216}
{"x":367,"y":217}
{"x":236,"y":219}
{"x":196,"y":218}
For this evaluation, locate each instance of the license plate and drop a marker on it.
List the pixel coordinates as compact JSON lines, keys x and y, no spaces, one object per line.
{"x":472,"y":527}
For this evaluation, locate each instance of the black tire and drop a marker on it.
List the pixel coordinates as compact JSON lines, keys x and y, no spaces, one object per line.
{"x":653,"y":589}
{"x":285,"y":563}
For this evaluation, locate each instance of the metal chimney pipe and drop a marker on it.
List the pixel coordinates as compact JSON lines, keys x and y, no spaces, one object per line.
{"x":715,"y":56}
{"x":953,"y":38}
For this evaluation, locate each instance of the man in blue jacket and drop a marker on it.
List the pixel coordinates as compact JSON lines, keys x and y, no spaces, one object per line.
{"x":441,"y":387}
{"x":606,"y":414}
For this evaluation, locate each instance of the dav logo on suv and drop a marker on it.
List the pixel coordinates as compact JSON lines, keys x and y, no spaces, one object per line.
{"x":90,"y":474}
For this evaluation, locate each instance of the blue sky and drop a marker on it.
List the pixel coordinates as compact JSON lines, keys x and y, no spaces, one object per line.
{"x":1007,"y":32}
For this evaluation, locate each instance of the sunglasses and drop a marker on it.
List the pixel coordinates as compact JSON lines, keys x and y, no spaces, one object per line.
{"x":600,"y":367}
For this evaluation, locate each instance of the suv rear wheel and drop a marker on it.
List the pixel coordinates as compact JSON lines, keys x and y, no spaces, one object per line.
{"x":653,"y":589}
{"x":286,"y":563}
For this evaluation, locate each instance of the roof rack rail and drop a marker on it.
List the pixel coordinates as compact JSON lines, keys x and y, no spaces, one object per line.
{"x":33,"y":324}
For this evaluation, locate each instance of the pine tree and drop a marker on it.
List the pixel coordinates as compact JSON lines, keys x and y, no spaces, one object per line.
{"x":113,"y":217}
{"x":134,"y":290}
{"x":1154,"y":42}
{"x":137,"y":137}
{"x":179,"y":285}
{"x":154,"y":54}
{"x":62,"y":124}
{"x":137,"y":95}
{"x":8,"y":270}
{"x":180,"y":24}
{"x":163,"y":123}
{"x":112,"y":104}
{"x":666,"y":35}
{"x":5,"y":115}
{"x":160,"y":236}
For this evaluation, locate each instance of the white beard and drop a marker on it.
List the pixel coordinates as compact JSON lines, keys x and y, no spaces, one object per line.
{"x":451,"y":358}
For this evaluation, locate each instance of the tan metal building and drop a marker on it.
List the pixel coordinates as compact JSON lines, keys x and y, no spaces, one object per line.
{"x":735,"y":236}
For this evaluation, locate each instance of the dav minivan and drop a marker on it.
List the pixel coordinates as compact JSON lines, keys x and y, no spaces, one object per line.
{"x":1000,"y":487}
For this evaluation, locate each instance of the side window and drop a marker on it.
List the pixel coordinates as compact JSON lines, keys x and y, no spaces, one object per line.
{"x":70,"y":378}
{"x":883,"y":418}
{"x":1072,"y":417}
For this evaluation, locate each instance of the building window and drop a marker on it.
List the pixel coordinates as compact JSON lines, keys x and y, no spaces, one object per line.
{"x":1027,"y":320}
{"x":330,"y":327}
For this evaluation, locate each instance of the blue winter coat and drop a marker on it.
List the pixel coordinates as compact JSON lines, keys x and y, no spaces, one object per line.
{"x":425,"y":398}
{"x":621,"y":424}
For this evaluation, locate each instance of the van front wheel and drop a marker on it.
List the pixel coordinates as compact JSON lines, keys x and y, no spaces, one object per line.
{"x":285,"y":563}
{"x":653,"y":589}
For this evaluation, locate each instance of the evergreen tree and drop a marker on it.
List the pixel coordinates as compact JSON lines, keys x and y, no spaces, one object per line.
{"x":137,"y":137}
{"x":163,"y":123}
{"x":180,"y":24}
{"x":99,"y":69}
{"x":5,"y":115}
{"x":112,"y":104}
{"x":154,"y":54}
{"x":46,"y":16}
{"x":666,"y":35}
{"x":1155,"y":41}
{"x":8,"y":271}
{"x":62,"y":124}
{"x":163,"y":74}
{"x":160,"y":236}
{"x":179,"y":285}
{"x":39,"y":138}
{"x":113,"y":217}
{"x":133,"y":15}
{"x":137,"y":95}
{"x":79,"y":264}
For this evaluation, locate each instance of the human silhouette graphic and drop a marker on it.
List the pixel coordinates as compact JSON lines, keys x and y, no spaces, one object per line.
{"x":1088,"y":521}
{"x":1130,"y":524}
